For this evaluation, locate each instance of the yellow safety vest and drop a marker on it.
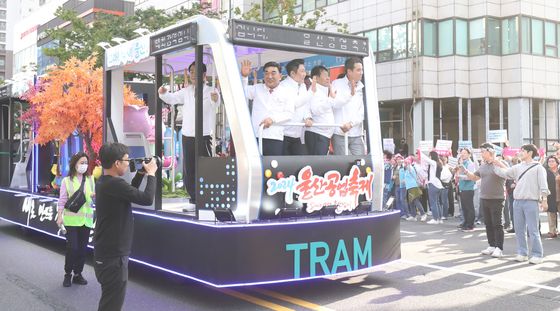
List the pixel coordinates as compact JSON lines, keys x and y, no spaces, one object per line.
{"x":84,"y":216}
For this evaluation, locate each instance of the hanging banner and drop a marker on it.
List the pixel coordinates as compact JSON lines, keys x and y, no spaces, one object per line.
{"x":332,"y":189}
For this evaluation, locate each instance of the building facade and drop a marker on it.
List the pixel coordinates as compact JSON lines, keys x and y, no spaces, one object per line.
{"x":455,"y":69}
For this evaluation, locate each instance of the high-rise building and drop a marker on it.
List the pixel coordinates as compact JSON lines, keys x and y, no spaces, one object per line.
{"x":456,"y":69}
{"x":5,"y":49}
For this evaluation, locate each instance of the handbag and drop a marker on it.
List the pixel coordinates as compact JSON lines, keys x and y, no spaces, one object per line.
{"x":413,"y":194}
{"x":78,"y":198}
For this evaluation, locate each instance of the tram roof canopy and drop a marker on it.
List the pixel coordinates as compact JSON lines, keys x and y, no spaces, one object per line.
{"x":257,"y":42}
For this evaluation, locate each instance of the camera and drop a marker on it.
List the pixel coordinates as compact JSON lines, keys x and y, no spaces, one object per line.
{"x":136,"y":163}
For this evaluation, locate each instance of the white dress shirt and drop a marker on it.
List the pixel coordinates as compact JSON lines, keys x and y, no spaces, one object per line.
{"x":269,"y":103}
{"x":186,"y":97}
{"x":321,"y":106}
{"x":348,"y":108}
{"x":298,"y":94}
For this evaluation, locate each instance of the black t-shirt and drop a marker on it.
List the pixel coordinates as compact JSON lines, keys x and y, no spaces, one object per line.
{"x":114,"y":226}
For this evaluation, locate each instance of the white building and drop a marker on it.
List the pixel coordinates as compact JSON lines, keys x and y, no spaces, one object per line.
{"x":454,"y":69}
{"x":32,"y":15}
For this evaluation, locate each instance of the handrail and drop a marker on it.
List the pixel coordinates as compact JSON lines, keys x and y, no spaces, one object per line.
{"x":283,"y":124}
{"x":173,"y":160}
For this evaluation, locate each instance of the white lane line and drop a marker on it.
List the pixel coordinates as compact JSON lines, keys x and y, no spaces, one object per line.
{"x":480,"y":275}
{"x":408,"y":232}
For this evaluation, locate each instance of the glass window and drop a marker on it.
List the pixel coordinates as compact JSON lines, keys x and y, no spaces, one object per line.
{"x":537,"y":37}
{"x":550,"y":39}
{"x":333,"y":2}
{"x":493,"y":26}
{"x":410,"y":44}
{"x":2,"y":25}
{"x":320,"y":3}
{"x":399,"y":41}
{"x":2,"y":14}
{"x":384,"y":44}
{"x":308,"y":5}
{"x":429,"y":37}
{"x":2,"y":62}
{"x":558,"y":37}
{"x":445,"y":38}
{"x":2,"y":3}
{"x":477,"y":37}
{"x":525,"y":35}
{"x":510,"y":36}
{"x":372,"y":36}
{"x":461,"y":43}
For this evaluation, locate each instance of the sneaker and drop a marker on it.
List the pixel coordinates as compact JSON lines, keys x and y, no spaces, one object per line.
{"x":433,"y":222}
{"x":443,"y":218}
{"x":441,"y":221}
{"x":424,"y":217}
{"x":478,"y":223}
{"x":79,"y":279}
{"x":498,"y":253}
{"x":520,"y":258}
{"x":403,"y":217}
{"x":512,"y":230}
{"x":535,"y":260}
{"x":489,"y":250}
{"x":67,"y":280}
{"x":410,"y":218}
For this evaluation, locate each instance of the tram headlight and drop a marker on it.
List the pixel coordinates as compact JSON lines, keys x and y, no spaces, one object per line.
{"x":368,"y":170}
{"x":267,"y":173}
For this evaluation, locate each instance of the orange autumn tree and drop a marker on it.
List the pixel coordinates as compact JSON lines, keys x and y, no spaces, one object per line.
{"x":71,"y":99}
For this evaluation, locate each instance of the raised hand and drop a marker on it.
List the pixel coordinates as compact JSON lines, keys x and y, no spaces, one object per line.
{"x":162,"y":90}
{"x":245,"y":68}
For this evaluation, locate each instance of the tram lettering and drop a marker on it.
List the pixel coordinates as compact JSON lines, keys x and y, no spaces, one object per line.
{"x":320,"y":254}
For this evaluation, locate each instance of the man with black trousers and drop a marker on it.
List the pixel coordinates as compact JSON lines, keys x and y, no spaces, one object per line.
{"x":114,"y":228}
{"x":491,"y":200}
{"x":186,"y":97}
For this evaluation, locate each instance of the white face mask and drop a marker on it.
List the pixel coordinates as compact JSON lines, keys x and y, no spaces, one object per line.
{"x":82,"y":168}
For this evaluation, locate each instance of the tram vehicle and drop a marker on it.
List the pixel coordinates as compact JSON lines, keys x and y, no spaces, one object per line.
{"x":257,"y":219}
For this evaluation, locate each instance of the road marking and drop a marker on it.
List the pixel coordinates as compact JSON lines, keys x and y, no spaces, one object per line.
{"x":254,"y":300}
{"x":481,"y":275}
{"x":293,"y":300}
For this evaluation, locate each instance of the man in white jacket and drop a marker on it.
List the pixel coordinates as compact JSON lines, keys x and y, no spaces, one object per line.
{"x":349,"y":110}
{"x":271,"y":106}
{"x":297,"y":93}
{"x":317,"y":138}
{"x":186,"y":97}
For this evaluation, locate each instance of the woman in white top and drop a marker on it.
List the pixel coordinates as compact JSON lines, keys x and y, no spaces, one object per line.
{"x":435,"y":188}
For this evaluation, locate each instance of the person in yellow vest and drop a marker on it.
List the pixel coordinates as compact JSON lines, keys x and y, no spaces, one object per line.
{"x":78,"y":225}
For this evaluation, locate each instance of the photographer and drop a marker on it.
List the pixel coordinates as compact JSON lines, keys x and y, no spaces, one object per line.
{"x":115,"y":224}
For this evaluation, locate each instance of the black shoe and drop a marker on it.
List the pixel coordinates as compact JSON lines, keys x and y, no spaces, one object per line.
{"x":67,"y":280}
{"x":79,"y":279}
{"x":512,"y":230}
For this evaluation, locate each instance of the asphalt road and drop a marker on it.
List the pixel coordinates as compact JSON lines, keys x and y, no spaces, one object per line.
{"x":441,"y":269}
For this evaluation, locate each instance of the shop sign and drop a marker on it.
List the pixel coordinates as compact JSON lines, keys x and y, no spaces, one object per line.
{"x":332,"y":189}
